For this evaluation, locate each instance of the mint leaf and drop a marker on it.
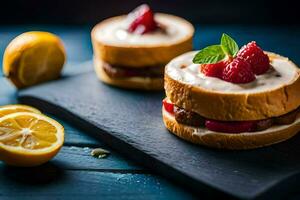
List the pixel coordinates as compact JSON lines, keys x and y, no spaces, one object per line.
{"x":210,"y":54}
{"x":229,"y":45}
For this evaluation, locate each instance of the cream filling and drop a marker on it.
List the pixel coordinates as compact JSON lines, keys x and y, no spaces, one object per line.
{"x":115,"y":33}
{"x":201,"y":131}
{"x":182,"y":69}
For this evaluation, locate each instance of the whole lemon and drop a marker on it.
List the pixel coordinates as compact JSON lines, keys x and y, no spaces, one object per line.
{"x":33,"y":57}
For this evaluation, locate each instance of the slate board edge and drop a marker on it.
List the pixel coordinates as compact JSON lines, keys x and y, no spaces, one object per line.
{"x":289,"y":185}
{"x":129,"y":151}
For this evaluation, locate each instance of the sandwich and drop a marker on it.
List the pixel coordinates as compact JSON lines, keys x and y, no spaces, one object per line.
{"x":230,"y":98}
{"x":131,"y":51}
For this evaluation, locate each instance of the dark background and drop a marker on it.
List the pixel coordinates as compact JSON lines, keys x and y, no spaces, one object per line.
{"x":200,"y":11}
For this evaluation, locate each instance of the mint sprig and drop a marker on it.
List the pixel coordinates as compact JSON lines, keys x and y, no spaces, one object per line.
{"x":229,"y":45}
{"x":210,"y":54}
{"x":215,"y":53}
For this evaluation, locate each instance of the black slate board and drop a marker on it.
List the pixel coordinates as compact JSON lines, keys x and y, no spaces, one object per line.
{"x":131,"y":122}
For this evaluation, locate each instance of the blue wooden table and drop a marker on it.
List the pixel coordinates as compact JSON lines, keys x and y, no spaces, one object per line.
{"x":73,"y":173}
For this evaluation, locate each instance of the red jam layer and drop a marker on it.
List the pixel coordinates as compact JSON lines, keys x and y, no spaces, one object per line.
{"x":194,"y":119}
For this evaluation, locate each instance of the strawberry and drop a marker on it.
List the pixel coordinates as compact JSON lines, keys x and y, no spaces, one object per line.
{"x":142,"y":20}
{"x":213,"y":70}
{"x":230,"y":127}
{"x":238,"y":71}
{"x":255,"y":56}
{"x":169,"y":106}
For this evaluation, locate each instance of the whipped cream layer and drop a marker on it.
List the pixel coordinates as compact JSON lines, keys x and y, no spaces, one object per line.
{"x":282,"y":72}
{"x":113,"y":31}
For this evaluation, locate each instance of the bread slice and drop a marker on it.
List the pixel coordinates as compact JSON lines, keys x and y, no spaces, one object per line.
{"x":140,"y":83}
{"x":272,"y":94}
{"x":114,"y":45}
{"x":247,"y":140}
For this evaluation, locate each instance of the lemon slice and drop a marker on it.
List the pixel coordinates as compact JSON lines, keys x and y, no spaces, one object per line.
{"x":29,"y":139}
{"x":8,"y":109}
{"x":32,"y":58}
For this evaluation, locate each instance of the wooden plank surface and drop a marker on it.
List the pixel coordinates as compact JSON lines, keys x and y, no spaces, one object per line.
{"x":80,"y":184}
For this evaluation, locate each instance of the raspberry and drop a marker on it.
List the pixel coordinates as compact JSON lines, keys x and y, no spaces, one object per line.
{"x":238,"y":71}
{"x":169,"y":106}
{"x":255,"y":56}
{"x":142,"y":20}
{"x":230,"y":127}
{"x":213,"y":70}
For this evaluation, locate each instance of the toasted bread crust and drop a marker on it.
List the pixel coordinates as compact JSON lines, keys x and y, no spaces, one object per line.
{"x":140,"y":55}
{"x":235,"y":106}
{"x":240,"y":141}
{"x":139,"y":83}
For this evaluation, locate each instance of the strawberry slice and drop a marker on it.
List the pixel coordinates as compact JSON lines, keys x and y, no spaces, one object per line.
{"x":142,"y":20}
{"x":169,"y":106}
{"x":230,"y":127}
